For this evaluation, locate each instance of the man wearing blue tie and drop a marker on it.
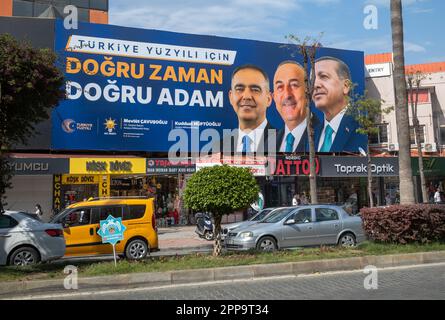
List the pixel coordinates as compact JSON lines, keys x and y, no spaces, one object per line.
{"x":290,"y":100}
{"x":332,"y":87}
{"x":250,"y":97}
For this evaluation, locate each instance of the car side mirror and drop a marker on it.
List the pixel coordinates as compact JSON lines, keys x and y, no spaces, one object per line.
{"x":290,"y":221}
{"x":65,"y":225}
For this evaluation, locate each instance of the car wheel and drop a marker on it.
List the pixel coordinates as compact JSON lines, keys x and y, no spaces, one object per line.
{"x":136,"y":250}
{"x":266,"y":244}
{"x":208,"y":235}
{"x":347,"y":240}
{"x":24,"y":257}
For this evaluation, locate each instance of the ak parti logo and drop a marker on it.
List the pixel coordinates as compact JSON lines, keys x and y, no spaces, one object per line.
{"x":110,"y":126}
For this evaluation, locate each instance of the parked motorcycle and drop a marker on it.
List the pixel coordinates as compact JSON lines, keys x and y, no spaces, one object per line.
{"x":204,"y":226}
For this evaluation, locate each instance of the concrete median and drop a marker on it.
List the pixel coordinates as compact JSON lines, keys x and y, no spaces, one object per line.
{"x":154,"y":279}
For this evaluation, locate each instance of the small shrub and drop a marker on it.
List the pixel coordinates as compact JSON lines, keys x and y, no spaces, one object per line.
{"x":405,"y":223}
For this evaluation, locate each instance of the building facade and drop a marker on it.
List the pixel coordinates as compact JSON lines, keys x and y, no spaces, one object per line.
{"x":430,"y":113}
{"x":94,"y":11}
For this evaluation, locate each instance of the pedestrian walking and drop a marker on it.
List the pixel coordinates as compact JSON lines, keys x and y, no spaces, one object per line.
{"x":296,"y":200}
{"x":437,"y":196}
{"x":39,"y":211}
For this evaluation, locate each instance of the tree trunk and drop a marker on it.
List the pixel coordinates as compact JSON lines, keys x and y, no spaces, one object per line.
{"x":371,"y":199}
{"x":402,"y":116}
{"x":217,"y":247}
{"x":313,"y":173}
{"x":419,"y":147}
{"x":421,"y":172}
{"x":309,"y":85}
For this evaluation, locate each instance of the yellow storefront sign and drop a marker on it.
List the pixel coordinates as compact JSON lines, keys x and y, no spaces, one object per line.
{"x":107,"y":166}
{"x":80,"y":179}
{"x":104,"y":187}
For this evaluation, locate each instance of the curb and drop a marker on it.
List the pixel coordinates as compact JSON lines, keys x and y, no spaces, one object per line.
{"x":152,"y":279}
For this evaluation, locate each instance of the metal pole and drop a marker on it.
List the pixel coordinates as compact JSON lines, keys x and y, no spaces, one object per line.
{"x":114,"y":254}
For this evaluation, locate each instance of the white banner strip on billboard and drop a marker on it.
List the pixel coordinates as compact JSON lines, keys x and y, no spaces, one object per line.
{"x":257,"y":170}
{"x":147,"y":50}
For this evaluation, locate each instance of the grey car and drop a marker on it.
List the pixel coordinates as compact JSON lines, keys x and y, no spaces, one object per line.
{"x":289,"y":227}
{"x":243,"y":224}
{"x":25,"y":240}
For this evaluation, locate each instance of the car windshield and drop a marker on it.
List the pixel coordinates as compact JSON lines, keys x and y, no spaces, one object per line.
{"x":261,"y":215}
{"x":277,"y":215}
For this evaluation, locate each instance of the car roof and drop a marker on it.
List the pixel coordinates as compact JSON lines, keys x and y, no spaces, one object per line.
{"x":18,"y":215}
{"x":110,"y":201}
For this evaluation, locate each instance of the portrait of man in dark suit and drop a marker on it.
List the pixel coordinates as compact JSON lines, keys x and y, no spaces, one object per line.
{"x":332,"y":88}
{"x":290,"y":100}
{"x":250,"y":98}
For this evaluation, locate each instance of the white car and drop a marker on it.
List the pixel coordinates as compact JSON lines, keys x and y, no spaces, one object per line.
{"x":25,"y":240}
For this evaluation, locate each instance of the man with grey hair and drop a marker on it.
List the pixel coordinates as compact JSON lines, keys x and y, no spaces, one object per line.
{"x":331,"y":93}
{"x":289,"y":94}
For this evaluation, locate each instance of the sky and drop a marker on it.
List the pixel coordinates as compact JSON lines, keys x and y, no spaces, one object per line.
{"x":341,"y":22}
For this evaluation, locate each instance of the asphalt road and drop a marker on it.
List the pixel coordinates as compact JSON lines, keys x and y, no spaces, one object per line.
{"x":413,"y":283}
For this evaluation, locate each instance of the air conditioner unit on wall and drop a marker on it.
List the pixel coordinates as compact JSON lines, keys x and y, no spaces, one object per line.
{"x":429,"y":147}
{"x":393,"y":147}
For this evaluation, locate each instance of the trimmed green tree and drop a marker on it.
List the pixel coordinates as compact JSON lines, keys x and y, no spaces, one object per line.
{"x":220,"y":190}
{"x":30,"y":86}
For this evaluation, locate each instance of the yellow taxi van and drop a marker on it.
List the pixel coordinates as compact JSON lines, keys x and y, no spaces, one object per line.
{"x":81,"y":221}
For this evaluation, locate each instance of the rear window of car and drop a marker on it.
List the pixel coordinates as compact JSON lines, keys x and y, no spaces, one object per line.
{"x":102,"y":213}
{"x":134,"y":212}
{"x":7,"y":222}
{"x":326,"y":214}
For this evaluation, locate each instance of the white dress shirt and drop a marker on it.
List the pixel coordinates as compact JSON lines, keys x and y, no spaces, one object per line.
{"x":297,"y":133}
{"x":254,"y":135}
{"x":334,"y":124}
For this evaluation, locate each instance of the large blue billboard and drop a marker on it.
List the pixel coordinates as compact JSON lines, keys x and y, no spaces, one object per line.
{"x":127,"y":89}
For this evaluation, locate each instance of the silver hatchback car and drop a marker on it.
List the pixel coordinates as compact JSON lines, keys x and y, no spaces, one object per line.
{"x":289,"y":227}
{"x":25,"y":240}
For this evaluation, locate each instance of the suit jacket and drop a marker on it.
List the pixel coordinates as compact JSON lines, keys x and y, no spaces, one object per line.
{"x":303,"y":145}
{"x":230,"y":141}
{"x":346,"y":139}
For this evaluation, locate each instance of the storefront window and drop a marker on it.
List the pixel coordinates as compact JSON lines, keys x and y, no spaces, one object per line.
{"x":442,"y":135}
{"x":84,"y":15}
{"x":81,"y":3}
{"x":22,"y":8}
{"x":380,"y":137}
{"x":413,"y":135}
{"x":99,"y":5}
{"x":39,"y":8}
{"x":72,"y":193}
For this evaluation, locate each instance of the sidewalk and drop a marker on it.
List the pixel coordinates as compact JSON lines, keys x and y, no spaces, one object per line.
{"x":180,"y":237}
